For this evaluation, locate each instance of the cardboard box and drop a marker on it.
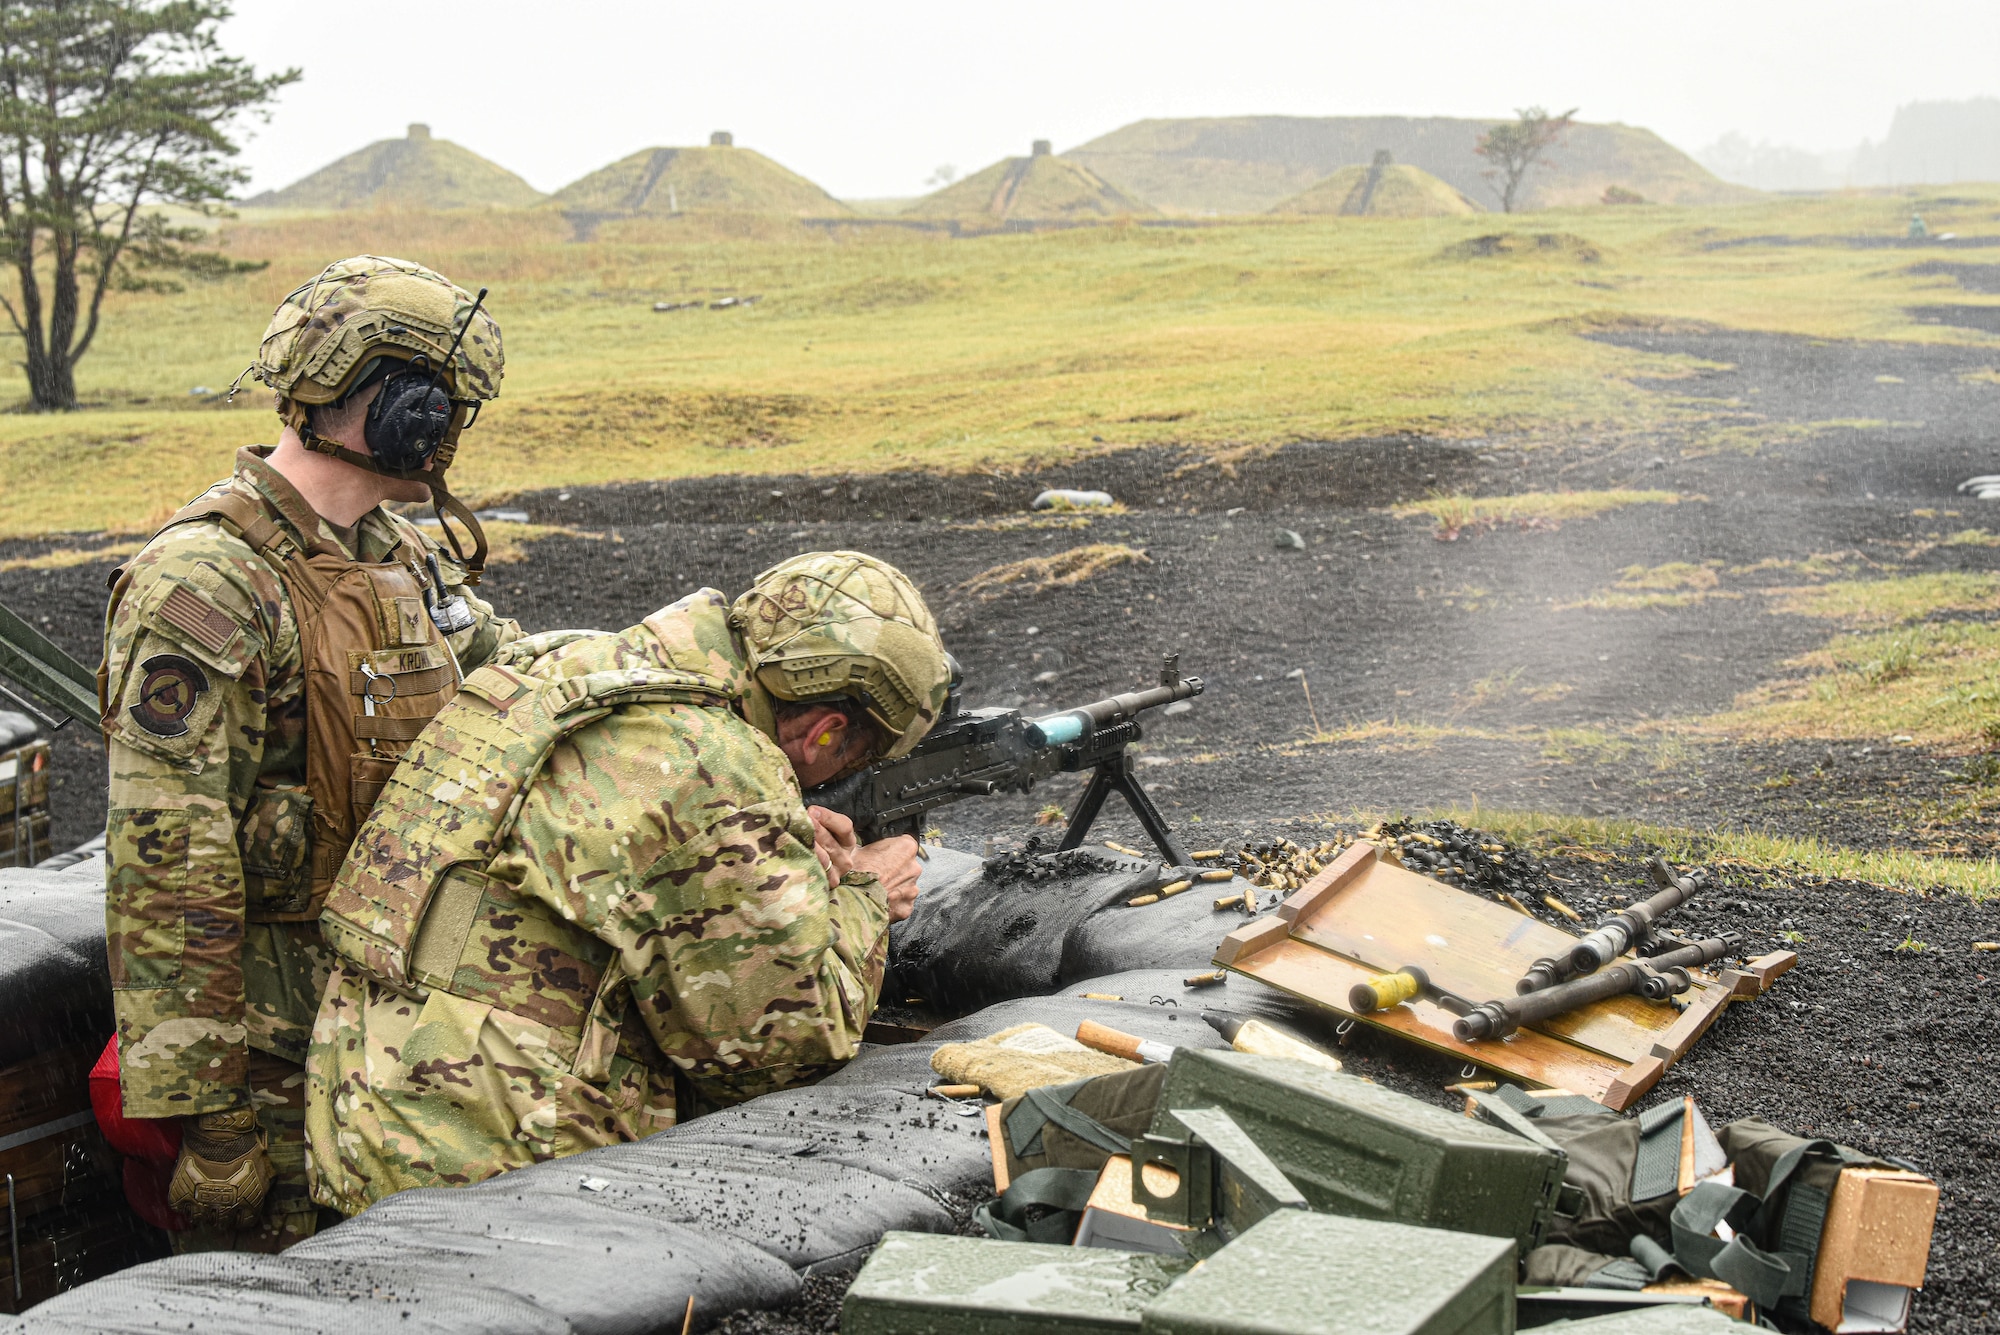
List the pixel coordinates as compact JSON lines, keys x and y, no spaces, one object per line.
{"x":1873,"y":1250}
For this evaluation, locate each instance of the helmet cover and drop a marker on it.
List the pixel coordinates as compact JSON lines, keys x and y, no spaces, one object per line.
{"x":844,"y":624}
{"x":331,"y":332}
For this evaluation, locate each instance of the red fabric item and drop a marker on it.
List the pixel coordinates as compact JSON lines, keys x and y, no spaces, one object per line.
{"x":150,"y":1144}
{"x":146,"y":1193}
{"x":152,"y":1139}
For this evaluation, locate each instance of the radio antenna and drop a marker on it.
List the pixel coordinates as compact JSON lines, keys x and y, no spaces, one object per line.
{"x":438,"y":371}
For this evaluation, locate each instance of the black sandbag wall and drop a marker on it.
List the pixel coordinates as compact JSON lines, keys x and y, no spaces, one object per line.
{"x":730,"y":1209}
{"x":66,"y":1213}
{"x":55,"y":989}
{"x":985,"y":933}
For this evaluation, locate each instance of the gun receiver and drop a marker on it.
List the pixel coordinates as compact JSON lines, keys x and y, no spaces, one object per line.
{"x":978,"y":752}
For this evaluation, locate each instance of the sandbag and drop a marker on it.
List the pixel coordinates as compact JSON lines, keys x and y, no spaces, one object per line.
{"x":563,"y":1250}
{"x":983,"y":933}
{"x":55,"y":984}
{"x":733,"y":1208}
{"x":233,"y":1291}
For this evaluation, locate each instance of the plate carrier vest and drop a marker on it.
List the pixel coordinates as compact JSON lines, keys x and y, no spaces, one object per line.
{"x":376,"y":670}
{"x":404,"y":906}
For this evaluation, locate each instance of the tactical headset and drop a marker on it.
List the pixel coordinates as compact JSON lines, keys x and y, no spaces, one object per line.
{"x":407,"y":426}
{"x":408,"y":420}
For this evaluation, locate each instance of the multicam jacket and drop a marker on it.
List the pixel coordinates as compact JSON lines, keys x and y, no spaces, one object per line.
{"x":652,"y":923}
{"x":205,"y":726}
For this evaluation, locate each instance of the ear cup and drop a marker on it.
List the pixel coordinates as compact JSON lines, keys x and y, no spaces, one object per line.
{"x":407,"y":421}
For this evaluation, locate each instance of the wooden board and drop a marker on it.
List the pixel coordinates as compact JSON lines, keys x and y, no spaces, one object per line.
{"x":1543,"y":1062}
{"x":1388,"y":917}
{"x":1361,"y":917}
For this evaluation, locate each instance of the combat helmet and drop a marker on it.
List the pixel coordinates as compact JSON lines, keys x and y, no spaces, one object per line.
{"x":369,"y":317}
{"x":845,"y":624}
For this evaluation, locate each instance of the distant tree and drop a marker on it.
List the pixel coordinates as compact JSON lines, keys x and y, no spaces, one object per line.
{"x":108,"y":107}
{"x":1512,"y":148}
{"x":943,"y":176}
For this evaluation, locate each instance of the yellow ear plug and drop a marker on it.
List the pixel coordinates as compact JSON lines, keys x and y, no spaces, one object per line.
{"x":826,"y":738}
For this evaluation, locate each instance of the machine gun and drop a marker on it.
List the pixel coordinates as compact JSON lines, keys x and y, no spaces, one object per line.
{"x":978,"y":752}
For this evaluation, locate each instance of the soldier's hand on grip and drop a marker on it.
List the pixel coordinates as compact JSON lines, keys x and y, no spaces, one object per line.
{"x":833,"y":841}
{"x":223,"y":1171}
{"x":894,"y":863}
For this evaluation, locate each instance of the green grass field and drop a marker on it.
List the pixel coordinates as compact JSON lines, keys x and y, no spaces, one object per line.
{"x":878,"y":348}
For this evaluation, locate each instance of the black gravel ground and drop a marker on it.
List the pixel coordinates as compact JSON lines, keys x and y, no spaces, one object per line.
{"x":1389,"y":626}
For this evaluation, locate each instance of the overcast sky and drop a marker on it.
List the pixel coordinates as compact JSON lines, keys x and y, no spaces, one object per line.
{"x":869,"y":98}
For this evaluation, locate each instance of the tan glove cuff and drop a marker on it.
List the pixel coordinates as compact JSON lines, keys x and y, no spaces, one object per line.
{"x":223,"y":1172}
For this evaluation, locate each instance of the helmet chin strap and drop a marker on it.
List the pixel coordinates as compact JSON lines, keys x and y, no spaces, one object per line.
{"x":442,"y":501}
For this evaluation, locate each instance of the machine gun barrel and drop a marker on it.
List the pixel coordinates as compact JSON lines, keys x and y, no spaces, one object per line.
{"x":1075,"y":724}
{"x":1617,"y":933}
{"x":1621,"y":931}
{"x":1658,"y":978}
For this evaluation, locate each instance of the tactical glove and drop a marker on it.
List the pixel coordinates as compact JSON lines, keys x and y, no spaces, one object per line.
{"x":223,"y":1171}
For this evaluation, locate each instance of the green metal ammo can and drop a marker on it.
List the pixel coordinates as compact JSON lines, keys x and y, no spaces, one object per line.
{"x":924,"y":1284}
{"x":1357,"y":1149}
{"x":1294,"y":1273}
{"x":1674,"y":1320}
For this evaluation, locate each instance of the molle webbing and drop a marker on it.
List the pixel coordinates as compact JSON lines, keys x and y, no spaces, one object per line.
{"x":450,"y":804}
{"x":264,"y":535}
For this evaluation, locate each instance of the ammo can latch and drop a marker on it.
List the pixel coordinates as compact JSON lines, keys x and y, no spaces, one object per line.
{"x":1221,"y":1183}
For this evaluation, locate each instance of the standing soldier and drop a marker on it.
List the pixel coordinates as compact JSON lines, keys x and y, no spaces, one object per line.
{"x":267,"y":658}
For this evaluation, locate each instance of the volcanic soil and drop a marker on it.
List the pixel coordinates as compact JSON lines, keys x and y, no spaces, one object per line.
{"x":1446,"y":673}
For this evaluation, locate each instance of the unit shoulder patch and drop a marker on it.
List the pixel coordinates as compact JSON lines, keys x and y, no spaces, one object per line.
{"x":168,"y":692}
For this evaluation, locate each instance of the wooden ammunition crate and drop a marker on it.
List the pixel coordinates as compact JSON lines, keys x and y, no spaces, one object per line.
{"x":24,"y":805}
{"x":68,"y":1220}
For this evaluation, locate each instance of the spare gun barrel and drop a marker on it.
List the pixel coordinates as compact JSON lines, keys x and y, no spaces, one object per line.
{"x":1621,"y":931}
{"x":1666,"y":974}
{"x":1616,"y":934}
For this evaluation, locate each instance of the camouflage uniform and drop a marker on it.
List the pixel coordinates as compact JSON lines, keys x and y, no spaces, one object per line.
{"x":653,"y":924}
{"x":205,"y":699}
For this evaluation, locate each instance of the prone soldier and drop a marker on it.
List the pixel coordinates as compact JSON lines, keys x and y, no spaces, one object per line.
{"x":267,"y":657}
{"x":592,"y":897}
